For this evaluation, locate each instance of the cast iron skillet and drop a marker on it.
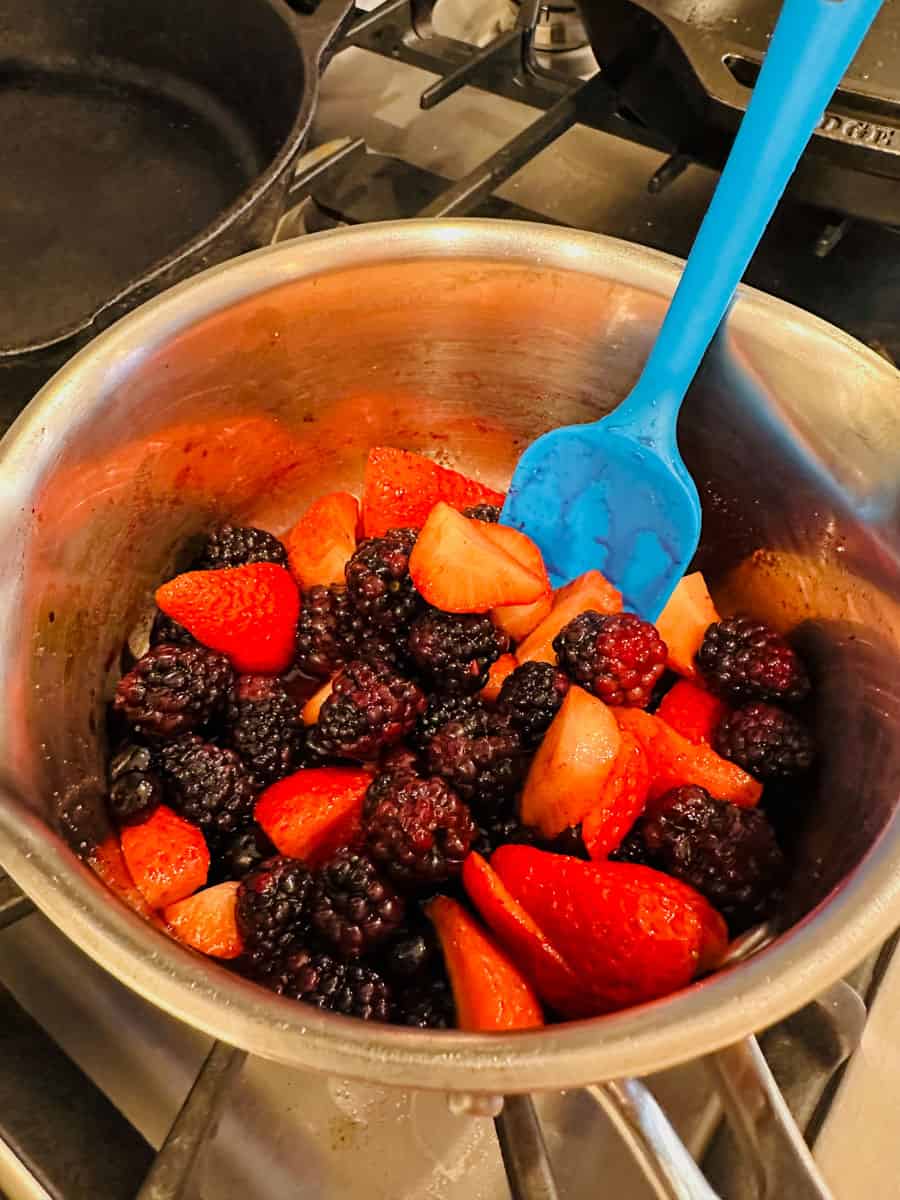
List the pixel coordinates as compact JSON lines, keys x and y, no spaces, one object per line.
{"x":140,"y":143}
{"x":691,"y":65}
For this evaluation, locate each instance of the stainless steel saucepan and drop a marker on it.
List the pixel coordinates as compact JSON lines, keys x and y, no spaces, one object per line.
{"x":249,"y":390}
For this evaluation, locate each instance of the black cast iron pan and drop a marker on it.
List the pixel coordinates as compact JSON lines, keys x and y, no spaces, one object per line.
{"x":140,"y":141}
{"x":691,"y":65}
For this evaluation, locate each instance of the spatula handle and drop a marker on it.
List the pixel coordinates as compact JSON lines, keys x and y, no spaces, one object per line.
{"x":813,"y":45}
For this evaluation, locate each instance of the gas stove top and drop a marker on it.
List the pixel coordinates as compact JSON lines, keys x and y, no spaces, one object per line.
{"x":546,"y":137}
{"x":473,"y":108}
{"x":127,"y":1070}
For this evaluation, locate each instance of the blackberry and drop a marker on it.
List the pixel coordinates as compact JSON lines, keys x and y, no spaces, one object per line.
{"x":439,"y":711}
{"x":766,"y":741}
{"x":480,"y":756}
{"x":238,"y":545}
{"x":208,"y":785}
{"x":483,"y":512}
{"x":273,"y":906}
{"x":331,"y":632}
{"x":417,"y":829}
{"x":370,"y":707}
{"x":569,"y":842}
{"x":729,"y":854}
{"x":454,"y":651}
{"x":135,"y":787}
{"x":531,"y":697}
{"x":351,"y":989}
{"x":327,"y":631}
{"x":353,"y":908}
{"x":164,"y":629}
{"x":744,"y":659}
{"x":173,"y":689}
{"x":631,"y":850}
{"x":399,"y":758}
{"x":387,"y":780}
{"x":241,"y":854}
{"x":311,"y":756}
{"x":619,"y":657}
{"x":427,"y":1005}
{"x":264,"y":727}
{"x":379,"y":582}
{"x":411,"y":956}
{"x":502,"y":831}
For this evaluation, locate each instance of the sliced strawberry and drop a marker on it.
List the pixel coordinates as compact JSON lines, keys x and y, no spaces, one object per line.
{"x":692,"y":711}
{"x":313,"y":706}
{"x":166,"y":857}
{"x":543,"y":966}
{"x":489,"y":991}
{"x":688,"y":614}
{"x":458,"y":567}
{"x":401,"y":488}
{"x":518,"y":546}
{"x":323,"y":539}
{"x":622,"y":799}
{"x":313,"y":812}
{"x":630,"y":933}
{"x":588,"y":591}
{"x":207,"y":921}
{"x":505,"y":665}
{"x":674,"y":761}
{"x":249,"y":613}
{"x":572,"y":764}
{"x":518,"y":620}
{"x":107,"y":861}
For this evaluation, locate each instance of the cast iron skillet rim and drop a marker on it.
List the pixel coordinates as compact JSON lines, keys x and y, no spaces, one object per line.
{"x":863,"y":910}
{"x":247,"y":199}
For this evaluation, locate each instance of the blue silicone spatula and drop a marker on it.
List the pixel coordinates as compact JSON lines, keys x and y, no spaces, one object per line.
{"x":615,"y":495}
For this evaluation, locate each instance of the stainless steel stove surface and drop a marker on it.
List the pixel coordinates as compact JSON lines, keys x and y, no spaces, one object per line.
{"x":286,"y":1134}
{"x":377,"y":153}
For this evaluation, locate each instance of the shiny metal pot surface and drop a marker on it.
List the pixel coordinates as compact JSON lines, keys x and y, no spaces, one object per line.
{"x":251,"y":389}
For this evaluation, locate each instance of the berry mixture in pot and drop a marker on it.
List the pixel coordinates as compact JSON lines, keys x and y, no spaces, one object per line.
{"x":379,"y":766}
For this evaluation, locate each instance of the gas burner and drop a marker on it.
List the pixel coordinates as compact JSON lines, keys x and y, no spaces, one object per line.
{"x":559,"y":40}
{"x":561,"y":43}
{"x":559,"y":29}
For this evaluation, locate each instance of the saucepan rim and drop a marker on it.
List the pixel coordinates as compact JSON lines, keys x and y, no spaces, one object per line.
{"x":710,"y":1014}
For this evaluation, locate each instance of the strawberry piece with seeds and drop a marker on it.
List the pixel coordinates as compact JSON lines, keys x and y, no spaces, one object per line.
{"x":107,"y":861}
{"x":207,"y":921}
{"x":505,"y":665}
{"x":248,"y":613}
{"x":313,"y":812}
{"x":489,"y":991}
{"x":630,"y":933}
{"x":322,"y":541}
{"x":571,"y":765}
{"x":692,"y":711}
{"x":622,"y":799}
{"x":518,"y":620}
{"x":589,"y":592}
{"x":674,"y":762}
{"x":519,"y":935}
{"x":401,"y":488}
{"x":688,"y":614}
{"x":166,"y":856}
{"x":458,"y":568}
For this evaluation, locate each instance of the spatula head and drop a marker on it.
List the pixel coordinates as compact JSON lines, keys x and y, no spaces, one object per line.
{"x":593,"y":496}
